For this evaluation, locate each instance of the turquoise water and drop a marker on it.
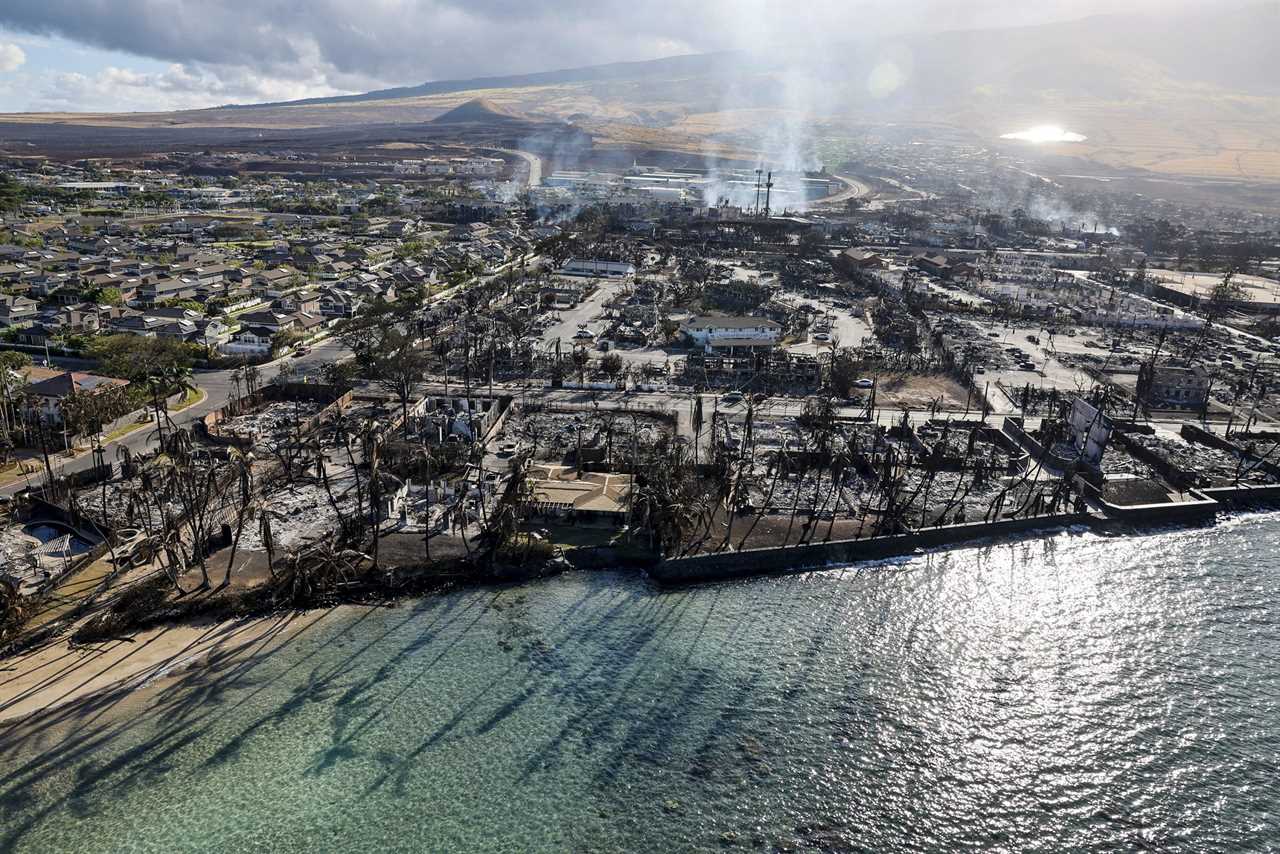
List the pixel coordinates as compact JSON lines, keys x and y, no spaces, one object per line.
{"x":1069,"y":693}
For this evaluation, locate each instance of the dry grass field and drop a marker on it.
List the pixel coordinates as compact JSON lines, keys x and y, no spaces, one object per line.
{"x":1198,"y":132}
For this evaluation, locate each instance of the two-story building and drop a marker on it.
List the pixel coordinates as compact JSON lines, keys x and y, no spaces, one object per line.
{"x":46,"y":396}
{"x":17,"y":311}
{"x":731,"y":334}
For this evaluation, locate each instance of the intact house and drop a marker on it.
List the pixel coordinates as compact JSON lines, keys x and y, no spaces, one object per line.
{"x":17,"y":311}
{"x":559,"y":491}
{"x":562,"y":294}
{"x":136,"y":324}
{"x":256,"y":340}
{"x":301,"y":302}
{"x":47,"y":395}
{"x":942,"y":267}
{"x":207,"y":332}
{"x":273,"y":283}
{"x":83,"y":319}
{"x":730,"y":335}
{"x":859,"y":259}
{"x":335,"y":303}
{"x":271,"y":318}
{"x":154,"y":289}
{"x":259,"y":329}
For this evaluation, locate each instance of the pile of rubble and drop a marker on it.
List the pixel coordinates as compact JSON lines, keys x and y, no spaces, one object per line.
{"x":555,"y":434}
{"x":275,"y":422}
{"x":301,"y":513}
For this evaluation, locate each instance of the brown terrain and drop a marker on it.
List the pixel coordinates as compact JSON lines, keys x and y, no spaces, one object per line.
{"x":1178,"y":99}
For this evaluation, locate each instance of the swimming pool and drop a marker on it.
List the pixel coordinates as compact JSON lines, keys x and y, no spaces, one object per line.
{"x":47,"y":532}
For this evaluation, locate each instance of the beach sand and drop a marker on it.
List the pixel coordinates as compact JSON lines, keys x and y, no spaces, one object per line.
{"x":56,"y":674}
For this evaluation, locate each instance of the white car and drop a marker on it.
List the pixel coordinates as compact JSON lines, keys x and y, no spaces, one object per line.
{"x":864,"y":383}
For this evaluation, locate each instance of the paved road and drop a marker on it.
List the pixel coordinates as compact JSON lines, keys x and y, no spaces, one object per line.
{"x":586,"y":313}
{"x":534,"y":178}
{"x":854,"y":189}
{"x":217,"y":387}
{"x":589,"y":313}
{"x":849,"y":328}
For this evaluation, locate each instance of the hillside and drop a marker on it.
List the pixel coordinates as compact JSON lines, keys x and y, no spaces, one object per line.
{"x":1181,"y":96}
{"x":480,"y":111}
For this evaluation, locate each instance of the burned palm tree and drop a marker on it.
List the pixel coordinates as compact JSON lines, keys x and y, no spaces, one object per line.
{"x":268,"y":541}
{"x":668,"y":503}
{"x":311,"y":576}
{"x":244,"y":469}
{"x":252,"y":380}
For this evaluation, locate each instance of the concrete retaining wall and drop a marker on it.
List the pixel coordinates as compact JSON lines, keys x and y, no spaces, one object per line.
{"x":1196,"y":433}
{"x":728,"y":565}
{"x":1201,"y":508}
{"x":1244,"y":496}
{"x":1013,"y":428}
{"x":1166,"y":469}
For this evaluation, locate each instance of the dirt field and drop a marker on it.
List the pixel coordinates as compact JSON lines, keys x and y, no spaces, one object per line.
{"x":920,"y":392}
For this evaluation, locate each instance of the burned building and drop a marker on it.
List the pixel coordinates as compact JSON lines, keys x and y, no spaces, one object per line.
{"x":1174,"y":386}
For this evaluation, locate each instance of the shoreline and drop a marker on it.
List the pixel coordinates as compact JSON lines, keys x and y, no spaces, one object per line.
{"x":1204,"y":508}
{"x":59,"y":674}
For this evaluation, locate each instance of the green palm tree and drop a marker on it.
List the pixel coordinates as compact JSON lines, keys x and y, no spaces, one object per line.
{"x":164,"y":382}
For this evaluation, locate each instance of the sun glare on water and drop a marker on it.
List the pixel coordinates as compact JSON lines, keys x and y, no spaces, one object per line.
{"x":1045,"y":133}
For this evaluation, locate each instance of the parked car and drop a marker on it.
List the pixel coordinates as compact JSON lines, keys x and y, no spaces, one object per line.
{"x":864,"y":383}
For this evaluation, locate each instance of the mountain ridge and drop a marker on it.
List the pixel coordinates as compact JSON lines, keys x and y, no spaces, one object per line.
{"x":1172,"y":94}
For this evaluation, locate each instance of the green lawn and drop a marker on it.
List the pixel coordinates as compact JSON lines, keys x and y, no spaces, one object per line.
{"x":193,"y":396}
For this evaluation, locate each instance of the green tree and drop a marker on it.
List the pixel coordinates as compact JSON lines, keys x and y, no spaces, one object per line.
{"x":109,"y":296}
{"x":385,"y":339}
{"x":189,"y":304}
{"x":135,"y":358}
{"x":12,"y":380}
{"x":164,"y":382}
{"x":611,"y":365}
{"x":14,"y":360}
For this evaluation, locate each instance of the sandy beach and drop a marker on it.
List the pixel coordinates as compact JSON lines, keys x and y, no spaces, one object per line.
{"x":56,"y":674}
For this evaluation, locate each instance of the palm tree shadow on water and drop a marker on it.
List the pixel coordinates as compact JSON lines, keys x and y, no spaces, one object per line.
{"x":611,"y":650}
{"x":157,"y":723}
{"x":73,"y":738}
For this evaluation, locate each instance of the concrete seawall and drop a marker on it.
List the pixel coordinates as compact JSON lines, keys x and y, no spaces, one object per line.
{"x":1199,"y":508}
{"x":723,"y":566}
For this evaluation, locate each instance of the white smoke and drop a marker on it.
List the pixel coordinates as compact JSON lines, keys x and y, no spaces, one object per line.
{"x":774,"y":111}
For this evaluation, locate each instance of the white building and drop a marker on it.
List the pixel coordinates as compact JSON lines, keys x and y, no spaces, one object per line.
{"x":597,"y":269}
{"x":435,"y":166}
{"x":712,"y":333}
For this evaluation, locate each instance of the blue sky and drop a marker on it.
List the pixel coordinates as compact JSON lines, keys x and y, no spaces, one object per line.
{"x":155,"y":55}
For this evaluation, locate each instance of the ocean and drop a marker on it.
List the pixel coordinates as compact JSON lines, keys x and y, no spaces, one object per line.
{"x":1075,"y":692}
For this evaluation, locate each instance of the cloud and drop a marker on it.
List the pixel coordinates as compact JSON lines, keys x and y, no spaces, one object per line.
{"x":12,"y":57}
{"x":243,"y":49}
{"x":177,"y":87}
